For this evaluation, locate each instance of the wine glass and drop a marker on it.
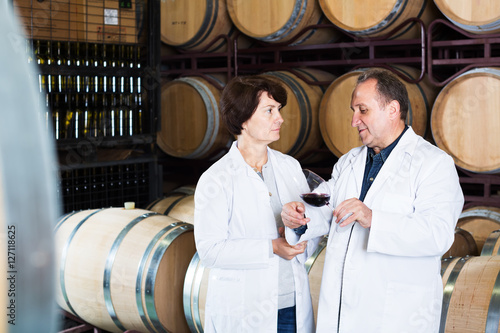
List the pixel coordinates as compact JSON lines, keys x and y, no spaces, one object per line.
{"x":319,"y":192}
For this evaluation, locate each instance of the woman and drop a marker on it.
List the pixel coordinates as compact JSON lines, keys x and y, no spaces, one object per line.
{"x":258,"y":282}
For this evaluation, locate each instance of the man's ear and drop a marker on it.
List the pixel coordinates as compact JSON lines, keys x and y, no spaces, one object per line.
{"x":394,"y":109}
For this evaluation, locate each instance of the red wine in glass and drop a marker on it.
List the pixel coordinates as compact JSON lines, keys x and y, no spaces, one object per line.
{"x":316,"y":199}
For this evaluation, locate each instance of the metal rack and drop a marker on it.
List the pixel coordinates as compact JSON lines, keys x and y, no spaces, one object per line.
{"x":438,"y":56}
{"x":91,"y":173}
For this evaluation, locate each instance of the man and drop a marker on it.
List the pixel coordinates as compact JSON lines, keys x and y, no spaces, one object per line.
{"x":397,"y":200}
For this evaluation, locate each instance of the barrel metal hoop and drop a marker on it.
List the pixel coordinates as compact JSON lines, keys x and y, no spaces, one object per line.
{"x":212,"y":117}
{"x":151,"y":205}
{"x":190,"y":294}
{"x":206,"y":27}
{"x":413,"y":23}
{"x":64,"y":254}
{"x":490,"y":243}
{"x":173,"y":204}
{"x":448,"y":290}
{"x":153,"y":270}
{"x":485,"y":213}
{"x":64,"y":218}
{"x":494,"y":308}
{"x":483,"y":28}
{"x":309,"y":35}
{"x":445,"y":262}
{"x":312,"y":259}
{"x":305,"y":112}
{"x":295,"y":18}
{"x":396,"y":12}
{"x":109,"y":266}
{"x":142,"y":264}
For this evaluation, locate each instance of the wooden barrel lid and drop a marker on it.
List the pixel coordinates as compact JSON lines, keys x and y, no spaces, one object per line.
{"x":377,"y":18}
{"x":194,"y":24}
{"x":279,"y":20}
{"x":335,"y":115}
{"x":463,"y":245}
{"x":465,"y":121}
{"x":190,"y":122}
{"x":470,"y":16}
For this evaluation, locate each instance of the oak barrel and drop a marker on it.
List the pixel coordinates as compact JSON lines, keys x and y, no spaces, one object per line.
{"x":194,"y":24}
{"x":300,"y":131}
{"x":178,"y":204}
{"x":377,"y":18}
{"x":470,"y":298}
{"x":335,"y":115}
{"x":191,"y":127}
{"x":123,"y":269}
{"x":478,"y":18}
{"x":196,"y":284}
{"x":280,"y":21}
{"x":465,"y":120}
{"x":480,"y":221}
{"x":463,"y":245}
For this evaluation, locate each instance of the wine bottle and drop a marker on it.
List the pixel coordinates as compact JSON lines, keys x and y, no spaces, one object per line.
{"x":77,"y":60}
{"x":78,"y":114}
{"x":40,"y":59}
{"x":59,"y":60}
{"x":87,"y":117}
{"x":113,"y":114}
{"x":56,"y":118}
{"x":69,"y":122}
{"x":49,"y":57}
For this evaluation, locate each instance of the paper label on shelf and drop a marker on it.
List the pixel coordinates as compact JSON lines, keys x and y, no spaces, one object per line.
{"x":111,"y":16}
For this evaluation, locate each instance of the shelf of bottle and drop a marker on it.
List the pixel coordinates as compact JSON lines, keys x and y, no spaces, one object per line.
{"x":106,"y":142}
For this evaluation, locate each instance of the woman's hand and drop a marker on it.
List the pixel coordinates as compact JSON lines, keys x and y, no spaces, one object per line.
{"x":285,"y":250}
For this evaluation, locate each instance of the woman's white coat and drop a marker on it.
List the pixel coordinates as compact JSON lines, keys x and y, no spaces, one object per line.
{"x":234,"y":229}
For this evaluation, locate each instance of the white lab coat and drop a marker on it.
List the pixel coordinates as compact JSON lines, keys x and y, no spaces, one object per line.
{"x":234,"y":227}
{"x":389,"y":275}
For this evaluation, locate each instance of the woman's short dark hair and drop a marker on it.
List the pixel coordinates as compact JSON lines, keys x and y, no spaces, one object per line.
{"x":241,"y":97}
{"x":389,"y":88}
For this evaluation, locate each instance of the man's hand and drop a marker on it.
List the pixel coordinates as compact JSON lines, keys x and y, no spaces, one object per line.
{"x":358,"y":210}
{"x":293,"y":214}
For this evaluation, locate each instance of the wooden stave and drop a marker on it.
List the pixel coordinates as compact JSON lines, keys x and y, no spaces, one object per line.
{"x":147,"y":278}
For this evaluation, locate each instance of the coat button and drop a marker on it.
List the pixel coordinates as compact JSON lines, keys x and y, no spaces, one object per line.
{"x":270,"y":194}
